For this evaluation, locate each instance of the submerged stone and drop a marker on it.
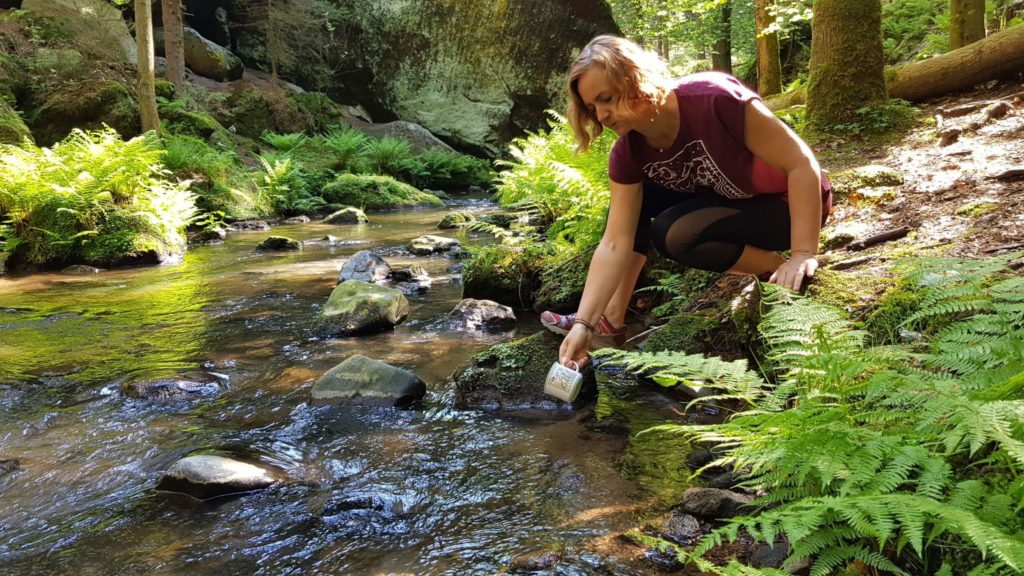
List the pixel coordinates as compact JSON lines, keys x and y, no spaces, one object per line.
{"x":170,"y":389}
{"x":80,"y":270}
{"x":209,"y":476}
{"x":364,"y":381}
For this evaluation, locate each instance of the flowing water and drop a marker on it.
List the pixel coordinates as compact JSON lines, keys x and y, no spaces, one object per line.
{"x":367,"y":491}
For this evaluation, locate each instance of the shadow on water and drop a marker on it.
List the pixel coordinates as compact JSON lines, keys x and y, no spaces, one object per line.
{"x":428,"y":491}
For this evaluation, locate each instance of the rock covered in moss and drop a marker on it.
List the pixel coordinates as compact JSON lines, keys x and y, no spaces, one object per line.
{"x":714,"y":503}
{"x":511,"y":376}
{"x":208,"y":476}
{"x":364,"y":381}
{"x":372,"y":192}
{"x":211,"y":235}
{"x":278,"y":244}
{"x":357,"y":307}
{"x":454,"y":219}
{"x":210,"y":60}
{"x":87,"y":103}
{"x":347,"y":215}
{"x":848,"y":181}
{"x":94,"y":25}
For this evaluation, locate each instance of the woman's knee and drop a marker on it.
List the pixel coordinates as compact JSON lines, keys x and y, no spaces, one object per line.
{"x":671,"y":242}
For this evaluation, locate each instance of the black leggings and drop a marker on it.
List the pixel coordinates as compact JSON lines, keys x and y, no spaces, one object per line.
{"x":707,"y":231}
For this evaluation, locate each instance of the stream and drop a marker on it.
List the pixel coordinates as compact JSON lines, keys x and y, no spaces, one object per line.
{"x":432,"y":490}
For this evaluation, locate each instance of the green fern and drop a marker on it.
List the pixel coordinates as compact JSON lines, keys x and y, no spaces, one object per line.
{"x":886,"y":456}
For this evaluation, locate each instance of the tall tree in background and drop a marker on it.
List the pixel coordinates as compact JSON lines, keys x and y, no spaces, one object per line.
{"x":966,"y":22}
{"x":769,"y":65}
{"x":721,"y":52}
{"x":174,"y":43}
{"x":847,"y":61}
{"x":146,"y":89}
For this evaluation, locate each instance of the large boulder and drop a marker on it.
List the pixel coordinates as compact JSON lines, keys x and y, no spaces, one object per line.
{"x":96,"y":27}
{"x":209,"y":476}
{"x":357,"y":307}
{"x":207,"y":59}
{"x":364,"y":381}
{"x":420,"y":138}
{"x":476,"y":73}
{"x":510,"y":376}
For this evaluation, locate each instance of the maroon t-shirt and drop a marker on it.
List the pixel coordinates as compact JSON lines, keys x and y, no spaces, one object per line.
{"x":710,"y":153}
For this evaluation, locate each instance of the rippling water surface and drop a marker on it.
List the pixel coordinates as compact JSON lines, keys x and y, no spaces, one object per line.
{"x":367,"y":491}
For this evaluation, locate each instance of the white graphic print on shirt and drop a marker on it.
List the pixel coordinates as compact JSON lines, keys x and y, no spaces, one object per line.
{"x":691,"y":168}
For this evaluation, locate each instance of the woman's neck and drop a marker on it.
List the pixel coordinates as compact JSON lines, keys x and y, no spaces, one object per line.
{"x":662,"y":126}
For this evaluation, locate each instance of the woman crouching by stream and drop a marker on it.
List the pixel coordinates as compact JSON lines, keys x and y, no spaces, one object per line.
{"x":701,"y":169}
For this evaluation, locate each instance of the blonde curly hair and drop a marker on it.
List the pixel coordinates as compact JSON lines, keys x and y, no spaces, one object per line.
{"x":637,"y":75}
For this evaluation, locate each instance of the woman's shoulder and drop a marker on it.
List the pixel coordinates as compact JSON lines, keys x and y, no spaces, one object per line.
{"x":713,"y":83}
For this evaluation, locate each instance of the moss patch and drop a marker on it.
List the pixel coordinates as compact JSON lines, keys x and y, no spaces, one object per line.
{"x":849,"y":181}
{"x":375,"y":193}
{"x":977,"y":209}
{"x":87,"y":104}
{"x":895,"y":306}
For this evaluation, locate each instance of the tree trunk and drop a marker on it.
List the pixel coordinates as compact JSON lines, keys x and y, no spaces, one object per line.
{"x":769,"y":65}
{"x":174,"y":43}
{"x":996,"y":56}
{"x":146,"y":89}
{"x":272,"y":43}
{"x":721,"y":55}
{"x":966,"y":22}
{"x":846,"y":69}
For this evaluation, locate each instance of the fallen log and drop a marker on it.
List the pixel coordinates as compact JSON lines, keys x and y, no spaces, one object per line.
{"x":879,"y":238}
{"x":996,"y":56}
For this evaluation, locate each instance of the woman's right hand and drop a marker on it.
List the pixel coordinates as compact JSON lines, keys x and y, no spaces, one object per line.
{"x":575,"y":345}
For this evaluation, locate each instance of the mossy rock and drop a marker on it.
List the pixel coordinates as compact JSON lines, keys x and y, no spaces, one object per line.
{"x":375,"y":193}
{"x":356,"y":307}
{"x":511,"y":376}
{"x":347,"y":215}
{"x":12,"y":128}
{"x":848,"y":290}
{"x":848,"y":181}
{"x":251,"y":111}
{"x":87,"y":104}
{"x":887,"y":315}
{"x":164,"y":89}
{"x":687,"y":333}
{"x":279,"y":244}
{"x":500,"y":219}
{"x":454,"y":219}
{"x":191,"y":123}
{"x":506,"y":274}
{"x":562,"y":285}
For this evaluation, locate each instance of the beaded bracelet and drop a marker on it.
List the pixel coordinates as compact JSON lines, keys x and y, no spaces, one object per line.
{"x":588,"y":325}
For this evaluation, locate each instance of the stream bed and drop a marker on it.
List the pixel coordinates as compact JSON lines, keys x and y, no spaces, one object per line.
{"x":432,"y":490}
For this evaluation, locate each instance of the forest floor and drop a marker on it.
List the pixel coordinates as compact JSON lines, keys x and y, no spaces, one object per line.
{"x":962,"y":195}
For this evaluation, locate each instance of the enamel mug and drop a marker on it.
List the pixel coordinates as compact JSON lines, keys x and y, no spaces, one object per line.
{"x":562,"y":382}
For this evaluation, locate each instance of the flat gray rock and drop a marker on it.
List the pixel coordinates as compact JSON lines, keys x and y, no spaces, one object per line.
{"x":208,"y":476}
{"x":367,"y":382}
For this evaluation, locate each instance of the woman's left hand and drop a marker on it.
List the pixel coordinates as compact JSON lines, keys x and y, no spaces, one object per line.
{"x":794,"y":270}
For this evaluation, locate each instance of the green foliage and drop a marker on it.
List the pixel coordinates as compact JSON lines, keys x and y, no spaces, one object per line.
{"x":284,"y":142}
{"x":570,"y":190}
{"x":92,"y":198}
{"x":907,"y":459}
{"x":284,"y":185}
{"x":375,"y":193}
{"x":893,"y":116}
{"x":344,"y":145}
{"x":451,"y":170}
{"x":218,"y":179}
{"x":388,"y":155}
{"x":681,"y":288}
{"x":909,"y":27}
